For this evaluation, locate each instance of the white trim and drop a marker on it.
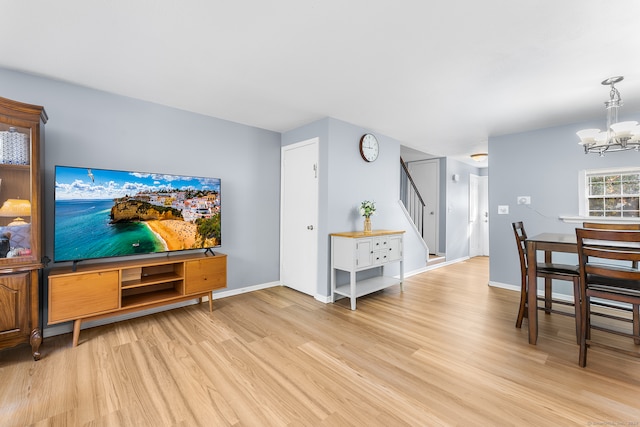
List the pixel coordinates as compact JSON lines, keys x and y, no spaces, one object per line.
{"x":604,"y":219}
{"x":510,"y":287}
{"x":583,"y":189}
{"x":434,"y":266}
{"x":324,"y":299}
{"x":506,"y":286}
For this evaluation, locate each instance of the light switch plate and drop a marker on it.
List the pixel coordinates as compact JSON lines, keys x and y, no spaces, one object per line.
{"x":503,"y":209}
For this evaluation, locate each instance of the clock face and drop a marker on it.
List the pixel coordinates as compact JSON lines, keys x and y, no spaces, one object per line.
{"x":369,"y":147}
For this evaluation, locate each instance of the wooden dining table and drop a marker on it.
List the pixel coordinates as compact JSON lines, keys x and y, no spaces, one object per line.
{"x":549,"y":243}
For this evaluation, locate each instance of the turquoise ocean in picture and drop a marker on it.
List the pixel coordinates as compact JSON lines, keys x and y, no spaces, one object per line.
{"x":83,"y":228}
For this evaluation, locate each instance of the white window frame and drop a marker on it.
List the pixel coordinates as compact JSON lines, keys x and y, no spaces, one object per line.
{"x":583,"y":196}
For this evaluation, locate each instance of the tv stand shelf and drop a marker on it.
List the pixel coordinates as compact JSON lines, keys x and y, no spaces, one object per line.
{"x":100,"y":290}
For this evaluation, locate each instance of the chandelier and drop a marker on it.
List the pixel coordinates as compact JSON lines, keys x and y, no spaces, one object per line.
{"x":619,"y":136}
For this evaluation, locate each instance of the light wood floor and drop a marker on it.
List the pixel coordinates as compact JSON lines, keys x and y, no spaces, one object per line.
{"x":444,"y":352}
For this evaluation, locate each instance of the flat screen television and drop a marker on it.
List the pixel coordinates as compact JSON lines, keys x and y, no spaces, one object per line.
{"x":102,"y":213}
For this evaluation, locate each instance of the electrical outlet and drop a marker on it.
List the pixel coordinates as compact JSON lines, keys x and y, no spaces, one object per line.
{"x":503,"y":209}
{"x":524,"y":200}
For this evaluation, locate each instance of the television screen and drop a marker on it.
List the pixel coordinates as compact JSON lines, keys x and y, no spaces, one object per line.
{"x":109,"y":213}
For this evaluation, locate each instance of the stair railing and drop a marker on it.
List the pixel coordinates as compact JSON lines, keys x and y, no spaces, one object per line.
{"x":411,"y":198}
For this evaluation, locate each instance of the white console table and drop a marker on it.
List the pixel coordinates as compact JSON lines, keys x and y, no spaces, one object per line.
{"x":357,"y":251}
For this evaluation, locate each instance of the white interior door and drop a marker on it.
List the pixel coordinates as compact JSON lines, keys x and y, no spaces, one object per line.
{"x":483,"y":203}
{"x":478,"y":216}
{"x":425,"y":174}
{"x":299,"y":218}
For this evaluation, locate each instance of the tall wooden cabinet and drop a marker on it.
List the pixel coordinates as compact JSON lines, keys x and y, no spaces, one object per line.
{"x":21,"y":160}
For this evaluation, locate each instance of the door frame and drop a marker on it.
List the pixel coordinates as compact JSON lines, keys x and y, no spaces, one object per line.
{"x":316,"y":143}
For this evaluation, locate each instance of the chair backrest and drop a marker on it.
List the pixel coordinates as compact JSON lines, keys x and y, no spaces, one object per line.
{"x":600,"y":253}
{"x":616,"y":226}
{"x":521,"y":237}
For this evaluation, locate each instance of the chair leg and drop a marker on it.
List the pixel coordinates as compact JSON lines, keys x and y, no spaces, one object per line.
{"x":547,"y":296}
{"x":584,"y":331}
{"x":636,"y":324}
{"x":577,"y":306}
{"x":522,"y":311}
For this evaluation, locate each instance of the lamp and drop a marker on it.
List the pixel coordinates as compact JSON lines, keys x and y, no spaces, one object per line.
{"x":16,"y":208}
{"x":479,"y":157}
{"x":619,"y":136}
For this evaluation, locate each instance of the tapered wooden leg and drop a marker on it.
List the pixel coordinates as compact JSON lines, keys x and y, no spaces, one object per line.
{"x":210,"y":301}
{"x":35,"y":340}
{"x":76,"y":331}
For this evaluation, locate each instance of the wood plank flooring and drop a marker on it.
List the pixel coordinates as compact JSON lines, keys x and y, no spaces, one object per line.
{"x":443,"y":352}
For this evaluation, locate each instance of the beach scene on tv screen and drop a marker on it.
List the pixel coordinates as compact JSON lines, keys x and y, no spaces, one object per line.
{"x":106,"y":213}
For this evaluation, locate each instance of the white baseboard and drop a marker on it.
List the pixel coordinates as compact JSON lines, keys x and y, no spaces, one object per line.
{"x":516,"y":288}
{"x":504,"y":286}
{"x":324,"y":299}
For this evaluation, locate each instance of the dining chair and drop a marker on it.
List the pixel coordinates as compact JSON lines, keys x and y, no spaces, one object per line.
{"x":545,"y":270}
{"x":605,"y":274}
{"x":635,"y":309}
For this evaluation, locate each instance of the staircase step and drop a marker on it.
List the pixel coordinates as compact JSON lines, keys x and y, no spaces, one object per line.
{"x":435,"y":259}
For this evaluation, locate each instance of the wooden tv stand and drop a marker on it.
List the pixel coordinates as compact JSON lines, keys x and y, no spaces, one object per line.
{"x":96,"y":291}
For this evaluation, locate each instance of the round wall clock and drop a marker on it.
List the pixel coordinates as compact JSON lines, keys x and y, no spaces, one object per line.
{"x":369,"y":147}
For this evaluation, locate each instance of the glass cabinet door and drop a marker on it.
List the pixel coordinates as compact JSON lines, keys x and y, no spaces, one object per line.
{"x":20,"y":221}
{"x":15,"y":192}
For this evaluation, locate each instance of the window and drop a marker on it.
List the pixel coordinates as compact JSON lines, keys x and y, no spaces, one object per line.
{"x":610,"y":193}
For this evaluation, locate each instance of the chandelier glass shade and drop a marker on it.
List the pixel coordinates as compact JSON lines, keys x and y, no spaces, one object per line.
{"x":618,"y":136}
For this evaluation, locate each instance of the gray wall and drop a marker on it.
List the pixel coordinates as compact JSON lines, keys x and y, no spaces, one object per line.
{"x":456,"y":209}
{"x":346,"y":180}
{"x":95,"y":129}
{"x":543,"y":164}
{"x":453,"y":206}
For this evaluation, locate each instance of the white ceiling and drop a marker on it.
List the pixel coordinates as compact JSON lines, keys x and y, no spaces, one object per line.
{"x":440,"y":77}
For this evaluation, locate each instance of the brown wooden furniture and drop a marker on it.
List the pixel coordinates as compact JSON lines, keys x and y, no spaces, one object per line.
{"x":549,"y":243}
{"x":603,"y":275}
{"x":635,"y":308}
{"x":108,"y":289}
{"x":21,"y":159}
{"x":612,"y":226}
{"x":548,"y":271}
